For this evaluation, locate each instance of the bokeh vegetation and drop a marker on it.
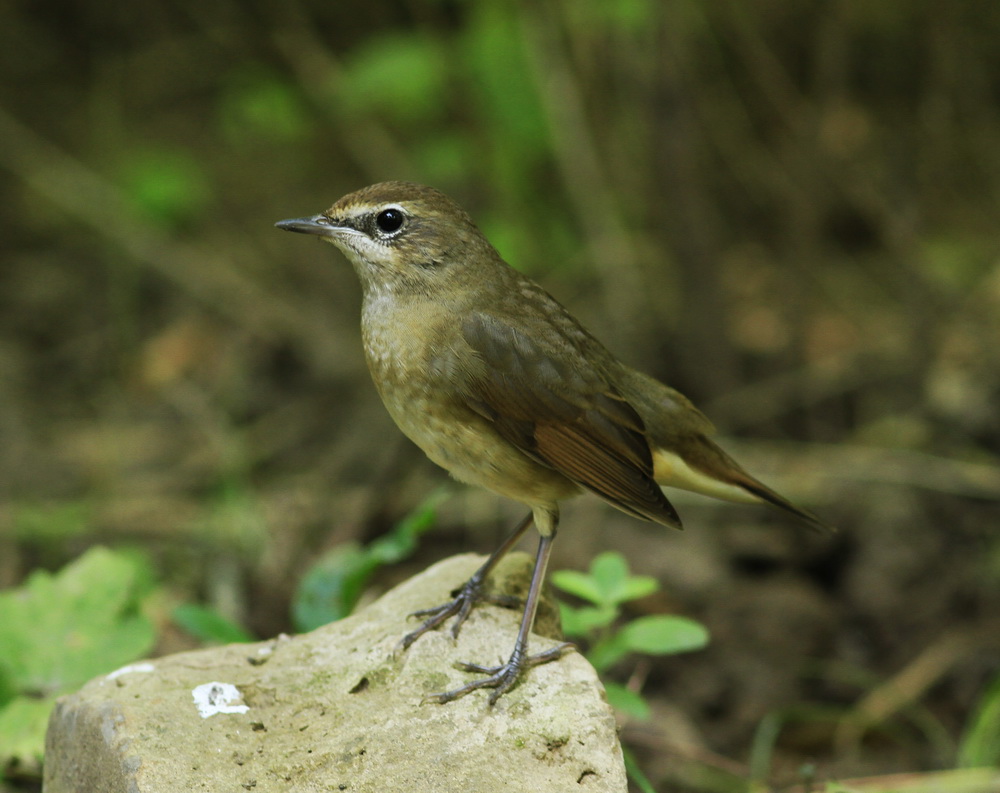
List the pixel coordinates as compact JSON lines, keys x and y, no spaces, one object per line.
{"x":786,"y":209}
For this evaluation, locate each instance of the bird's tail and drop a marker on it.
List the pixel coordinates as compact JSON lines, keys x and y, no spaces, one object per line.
{"x":702,"y":467}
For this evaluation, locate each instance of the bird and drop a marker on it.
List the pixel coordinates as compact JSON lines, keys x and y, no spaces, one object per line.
{"x":505,"y":389}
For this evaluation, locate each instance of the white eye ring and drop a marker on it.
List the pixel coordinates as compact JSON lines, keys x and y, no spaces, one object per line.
{"x":389,"y":221}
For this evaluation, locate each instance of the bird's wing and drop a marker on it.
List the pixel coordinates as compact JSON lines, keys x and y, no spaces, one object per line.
{"x":542,"y":395}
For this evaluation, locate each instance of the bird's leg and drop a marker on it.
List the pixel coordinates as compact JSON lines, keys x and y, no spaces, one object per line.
{"x":502,"y":678}
{"x":470,"y":593}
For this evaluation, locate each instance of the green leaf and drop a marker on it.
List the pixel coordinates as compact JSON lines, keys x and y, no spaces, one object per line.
{"x":627,"y":701}
{"x":401,"y":541}
{"x":638,"y":586}
{"x":664,"y":635}
{"x":582,"y":622}
{"x":635,"y":773}
{"x":208,"y":625}
{"x":579,"y":584}
{"x":610,"y":571}
{"x":58,"y":631}
{"x":608,"y":582}
{"x":22,"y":733}
{"x":981,"y":742}
{"x":8,"y":690}
{"x":331,"y":588}
{"x":607,"y":652}
{"x":391,"y":548}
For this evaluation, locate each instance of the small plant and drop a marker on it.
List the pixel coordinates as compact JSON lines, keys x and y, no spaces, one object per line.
{"x":980,"y":745}
{"x":606,"y":587}
{"x":59,"y":630}
{"x":330,"y":589}
{"x":209,"y":626}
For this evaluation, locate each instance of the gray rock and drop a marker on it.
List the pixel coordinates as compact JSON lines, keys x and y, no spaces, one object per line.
{"x":340,"y":709}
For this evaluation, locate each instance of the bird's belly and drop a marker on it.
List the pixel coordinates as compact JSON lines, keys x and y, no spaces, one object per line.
{"x":467,"y":446}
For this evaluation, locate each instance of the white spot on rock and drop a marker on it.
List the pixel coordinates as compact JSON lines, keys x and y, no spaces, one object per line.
{"x":131,"y":668}
{"x":212,"y":698}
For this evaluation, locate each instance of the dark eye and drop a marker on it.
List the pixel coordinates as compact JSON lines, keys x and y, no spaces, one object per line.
{"x":389,"y":220}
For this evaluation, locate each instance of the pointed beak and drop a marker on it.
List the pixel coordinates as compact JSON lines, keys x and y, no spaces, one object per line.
{"x":320,"y":225}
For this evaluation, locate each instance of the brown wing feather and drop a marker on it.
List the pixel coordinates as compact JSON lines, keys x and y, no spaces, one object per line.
{"x":546,"y":399}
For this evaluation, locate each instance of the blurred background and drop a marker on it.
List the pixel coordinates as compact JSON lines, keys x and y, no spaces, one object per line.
{"x":787,"y":210}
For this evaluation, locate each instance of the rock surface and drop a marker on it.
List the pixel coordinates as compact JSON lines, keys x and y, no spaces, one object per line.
{"x":340,"y":709}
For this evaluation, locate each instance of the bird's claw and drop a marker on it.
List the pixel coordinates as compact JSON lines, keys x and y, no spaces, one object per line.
{"x":460,"y":606}
{"x":500,"y":678}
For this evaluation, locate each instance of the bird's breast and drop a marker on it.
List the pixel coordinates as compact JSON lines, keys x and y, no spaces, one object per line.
{"x":412,"y":358}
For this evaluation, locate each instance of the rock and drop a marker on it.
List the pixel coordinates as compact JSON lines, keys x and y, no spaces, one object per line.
{"x":340,"y":709}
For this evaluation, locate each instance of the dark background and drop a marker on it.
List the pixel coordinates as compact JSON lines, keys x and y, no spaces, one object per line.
{"x":787,"y":210}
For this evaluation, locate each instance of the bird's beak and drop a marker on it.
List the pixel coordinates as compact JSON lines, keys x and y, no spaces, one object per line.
{"x":320,"y":225}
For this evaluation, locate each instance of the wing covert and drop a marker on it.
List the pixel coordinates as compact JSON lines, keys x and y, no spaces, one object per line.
{"x":542,"y":395}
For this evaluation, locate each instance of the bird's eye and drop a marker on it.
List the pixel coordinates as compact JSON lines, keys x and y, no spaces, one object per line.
{"x":389,"y":220}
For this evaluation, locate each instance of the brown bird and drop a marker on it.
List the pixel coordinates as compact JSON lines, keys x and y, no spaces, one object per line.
{"x":502,"y":386}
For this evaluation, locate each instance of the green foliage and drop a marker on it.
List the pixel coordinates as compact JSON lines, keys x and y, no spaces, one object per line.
{"x":762,"y":749}
{"x":51,"y":522}
{"x":980,"y":745}
{"x":445,"y":156}
{"x":331,"y":588}
{"x":627,"y":16}
{"x":635,"y":773}
{"x":502,"y":86}
{"x":257,"y":105}
{"x":400,"y":76}
{"x":607,"y":586}
{"x":60,"y":630}
{"x":502,"y":92}
{"x":208,"y":625}
{"x":167,"y":185}
{"x":22,"y":734}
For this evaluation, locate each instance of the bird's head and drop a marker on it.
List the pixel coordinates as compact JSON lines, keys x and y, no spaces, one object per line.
{"x":402,"y":237}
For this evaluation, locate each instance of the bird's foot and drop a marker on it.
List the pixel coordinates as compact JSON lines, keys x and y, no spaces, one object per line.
{"x":460,"y":606}
{"x":500,"y":678}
